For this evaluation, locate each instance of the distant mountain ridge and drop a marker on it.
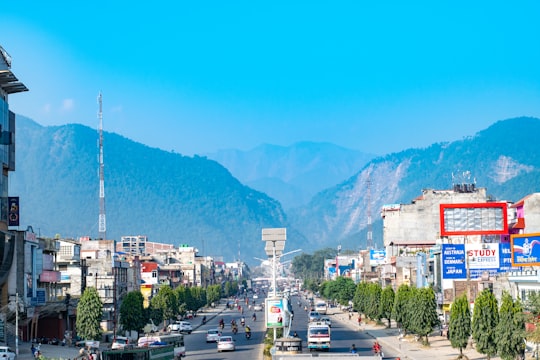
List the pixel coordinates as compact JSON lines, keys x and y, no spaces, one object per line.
{"x":168,"y":197}
{"x":502,"y":158}
{"x":292,"y":174}
{"x":178,"y":199}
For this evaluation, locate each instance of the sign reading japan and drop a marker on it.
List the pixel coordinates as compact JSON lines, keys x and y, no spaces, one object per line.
{"x":453,"y":261}
{"x":525,"y":249}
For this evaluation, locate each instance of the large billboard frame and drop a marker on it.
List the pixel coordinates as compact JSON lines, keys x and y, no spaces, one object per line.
{"x":493,"y":206}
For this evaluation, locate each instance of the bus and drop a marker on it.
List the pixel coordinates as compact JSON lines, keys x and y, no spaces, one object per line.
{"x":149,"y":353}
{"x":176,"y":340}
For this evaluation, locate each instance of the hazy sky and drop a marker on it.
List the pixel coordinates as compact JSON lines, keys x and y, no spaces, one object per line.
{"x":195,"y":76}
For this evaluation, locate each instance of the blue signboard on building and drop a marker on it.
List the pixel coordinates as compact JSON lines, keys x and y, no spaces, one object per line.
{"x":525,"y":249}
{"x":453,"y":261}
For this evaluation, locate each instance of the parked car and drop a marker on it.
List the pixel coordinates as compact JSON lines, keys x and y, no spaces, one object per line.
{"x":183,"y":327}
{"x":7,"y":353}
{"x":120,"y":343}
{"x":225,"y":343}
{"x":213,"y":335}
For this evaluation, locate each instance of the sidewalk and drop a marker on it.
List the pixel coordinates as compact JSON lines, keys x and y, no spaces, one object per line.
{"x":407,"y":347}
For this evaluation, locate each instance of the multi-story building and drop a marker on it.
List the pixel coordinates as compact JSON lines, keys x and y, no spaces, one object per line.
{"x":139,"y":245}
{"x":9,"y":206}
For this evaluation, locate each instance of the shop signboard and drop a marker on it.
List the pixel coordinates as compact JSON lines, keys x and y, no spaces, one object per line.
{"x":525,"y":249}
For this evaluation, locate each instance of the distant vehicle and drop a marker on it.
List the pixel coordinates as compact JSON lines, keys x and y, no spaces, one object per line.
{"x":176,"y":340}
{"x":257,"y":307}
{"x":255,"y":296}
{"x":183,"y":327}
{"x":319,"y":336}
{"x":225,"y":343}
{"x":213,"y":335}
{"x":7,"y":353}
{"x":321,"y":307}
{"x":314,"y":316}
{"x":119,"y":342}
{"x":326,"y":320}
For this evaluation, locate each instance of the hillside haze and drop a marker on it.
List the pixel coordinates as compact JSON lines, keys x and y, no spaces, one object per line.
{"x":193,"y":200}
{"x":292,"y":174}
{"x":168,"y":197}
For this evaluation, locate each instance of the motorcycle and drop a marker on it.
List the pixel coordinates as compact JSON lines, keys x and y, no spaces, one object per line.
{"x":221,"y":326}
{"x":248,"y":335}
{"x":203,"y":320}
{"x":243,"y":322}
{"x":235,"y":330}
{"x":254,"y":317}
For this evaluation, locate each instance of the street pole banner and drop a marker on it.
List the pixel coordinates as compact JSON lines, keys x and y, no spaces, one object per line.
{"x":275,"y":313}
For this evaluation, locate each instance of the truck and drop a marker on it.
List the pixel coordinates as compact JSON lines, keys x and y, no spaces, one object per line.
{"x":318,"y":337}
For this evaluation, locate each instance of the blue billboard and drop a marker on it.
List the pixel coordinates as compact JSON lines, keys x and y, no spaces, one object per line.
{"x":525,"y":249}
{"x":453,"y":261}
{"x":483,"y":258}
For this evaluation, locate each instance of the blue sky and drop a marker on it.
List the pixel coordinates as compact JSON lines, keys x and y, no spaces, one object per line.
{"x":196,"y":77}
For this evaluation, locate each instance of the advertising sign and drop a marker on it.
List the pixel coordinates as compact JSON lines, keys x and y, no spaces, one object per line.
{"x":525,"y":249}
{"x":275,"y":313}
{"x":377,"y":257}
{"x":453,"y":261}
{"x":473,"y":219}
{"x":482,"y":258}
{"x":13,"y":215}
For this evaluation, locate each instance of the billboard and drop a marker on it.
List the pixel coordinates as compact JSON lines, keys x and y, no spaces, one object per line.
{"x":453,"y":261}
{"x":473,"y":219}
{"x":275,"y":313}
{"x":377,"y":257}
{"x":482,"y":258}
{"x":525,"y":249}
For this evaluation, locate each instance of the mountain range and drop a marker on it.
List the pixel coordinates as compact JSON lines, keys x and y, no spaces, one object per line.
{"x":221,"y":207}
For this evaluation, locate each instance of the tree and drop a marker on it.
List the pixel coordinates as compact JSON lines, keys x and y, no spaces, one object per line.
{"x":132,"y":312}
{"x":373,"y":308}
{"x":89,"y":314}
{"x":400,"y":305}
{"x":423,"y":312}
{"x":484,"y":323}
{"x":510,"y":329}
{"x":387,"y":304}
{"x":459,"y":329}
{"x":165,"y":301}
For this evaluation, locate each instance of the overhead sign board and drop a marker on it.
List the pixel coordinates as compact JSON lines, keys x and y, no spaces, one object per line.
{"x":274,"y":234}
{"x":525,"y":249}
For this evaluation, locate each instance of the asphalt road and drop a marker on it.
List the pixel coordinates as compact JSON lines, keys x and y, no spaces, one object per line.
{"x":198,"y":348}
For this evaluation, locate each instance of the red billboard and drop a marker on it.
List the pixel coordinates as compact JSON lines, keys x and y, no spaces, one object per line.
{"x":474,"y":219}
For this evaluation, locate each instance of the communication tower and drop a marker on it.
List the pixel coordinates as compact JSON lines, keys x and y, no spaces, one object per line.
{"x":101,"y":221}
{"x":369,"y":241}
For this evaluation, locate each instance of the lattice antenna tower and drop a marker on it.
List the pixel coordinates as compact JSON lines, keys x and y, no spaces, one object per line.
{"x":101,"y":220}
{"x":369,"y":241}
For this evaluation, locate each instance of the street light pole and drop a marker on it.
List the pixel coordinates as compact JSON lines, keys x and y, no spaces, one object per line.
{"x":17,"y":323}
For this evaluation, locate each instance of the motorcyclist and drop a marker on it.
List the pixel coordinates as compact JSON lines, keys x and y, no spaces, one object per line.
{"x":204,"y":319}
{"x":353,"y":349}
{"x":234,"y":328}
{"x":248,"y":332}
{"x":376,"y":347}
{"x":221,"y":323}
{"x":254,"y":317}
{"x":243,"y":321}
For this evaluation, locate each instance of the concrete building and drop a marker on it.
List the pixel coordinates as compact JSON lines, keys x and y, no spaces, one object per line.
{"x":10,"y":291}
{"x":139,"y":245}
